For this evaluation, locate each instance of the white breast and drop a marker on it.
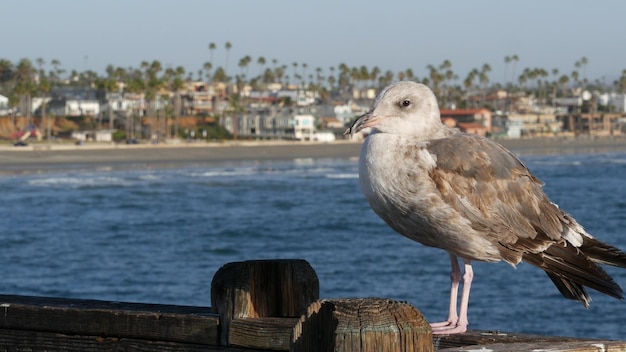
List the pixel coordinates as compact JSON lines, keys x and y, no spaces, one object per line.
{"x":396,"y":182}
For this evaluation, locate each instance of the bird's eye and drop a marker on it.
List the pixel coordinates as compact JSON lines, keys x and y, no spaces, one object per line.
{"x":406,"y":102}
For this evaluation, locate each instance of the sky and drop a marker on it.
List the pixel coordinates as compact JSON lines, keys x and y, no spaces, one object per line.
{"x":390,"y":34}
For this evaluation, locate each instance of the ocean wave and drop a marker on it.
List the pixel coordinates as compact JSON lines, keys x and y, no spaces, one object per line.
{"x":223,"y":173}
{"x":557,"y":162}
{"x":343,"y":176}
{"x":81,"y":181}
{"x":616,"y":161}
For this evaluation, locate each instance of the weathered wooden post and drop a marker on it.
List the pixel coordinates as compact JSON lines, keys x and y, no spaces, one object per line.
{"x":362,"y":325}
{"x":261,"y":289}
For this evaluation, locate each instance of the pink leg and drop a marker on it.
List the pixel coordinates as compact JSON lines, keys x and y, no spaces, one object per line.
{"x":457,"y":323}
{"x":455,"y":277}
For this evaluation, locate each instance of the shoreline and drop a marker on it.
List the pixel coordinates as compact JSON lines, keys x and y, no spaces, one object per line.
{"x":42,"y":157}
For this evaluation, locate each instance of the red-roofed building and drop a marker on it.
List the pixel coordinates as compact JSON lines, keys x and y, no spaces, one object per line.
{"x":476,"y":121}
{"x":472,"y":127}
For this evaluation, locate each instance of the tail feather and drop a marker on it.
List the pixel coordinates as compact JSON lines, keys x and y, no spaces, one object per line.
{"x":603,"y":253}
{"x":571,"y":290}
{"x":571,"y":268}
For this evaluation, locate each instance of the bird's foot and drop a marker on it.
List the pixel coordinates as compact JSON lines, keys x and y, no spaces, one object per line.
{"x":448,"y":327}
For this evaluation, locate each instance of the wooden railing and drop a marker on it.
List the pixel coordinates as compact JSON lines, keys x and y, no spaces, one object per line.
{"x":256,"y":306}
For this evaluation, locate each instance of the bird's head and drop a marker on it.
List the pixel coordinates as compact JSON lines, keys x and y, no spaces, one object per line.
{"x":405,"y":108}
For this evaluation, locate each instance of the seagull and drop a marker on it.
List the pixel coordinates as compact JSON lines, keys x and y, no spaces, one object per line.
{"x":471,"y":197}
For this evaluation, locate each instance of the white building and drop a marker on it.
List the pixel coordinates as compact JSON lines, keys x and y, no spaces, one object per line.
{"x":348,"y":111}
{"x":97,"y":136}
{"x":514,"y":128}
{"x":304,"y":127}
{"x":4,"y":105}
{"x":324,"y":137}
{"x":75,"y":107}
{"x":4,"y":102}
{"x":616,"y":101}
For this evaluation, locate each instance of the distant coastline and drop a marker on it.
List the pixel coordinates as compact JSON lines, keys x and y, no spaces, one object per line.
{"x":42,"y":157}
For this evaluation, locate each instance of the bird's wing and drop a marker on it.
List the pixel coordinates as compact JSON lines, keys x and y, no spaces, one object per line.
{"x":487,"y":184}
{"x":492,"y":188}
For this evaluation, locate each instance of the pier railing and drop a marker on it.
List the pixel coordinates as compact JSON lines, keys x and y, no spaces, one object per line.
{"x":256,"y":306}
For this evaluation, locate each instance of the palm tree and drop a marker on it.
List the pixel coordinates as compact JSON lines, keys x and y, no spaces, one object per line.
{"x":40,"y":62}
{"x":541,"y":82}
{"x":621,"y":83}
{"x":274,"y":66}
{"x":318,"y":78}
{"x":295,"y":66}
{"x":523,"y":78}
{"x":507,"y":61}
{"x":24,"y":87}
{"x":468,"y":82}
{"x":483,"y":78}
{"x":575,"y":77}
{"x":179,"y":83}
{"x":174,"y":79}
{"x":583,"y":63}
{"x":374,"y":74}
{"x":243,"y":64}
{"x":107,"y":85}
{"x":207,"y":69}
{"x":220,"y":76}
{"x":55,"y":74}
{"x":228,"y":46}
{"x":514,"y":60}
{"x":401,"y":76}
{"x":435,"y":79}
{"x":331,"y":81}
{"x":55,"y":64}
{"x":446,"y":76}
{"x":5,"y":67}
{"x":304,"y":67}
{"x":44,"y":87}
{"x":385,"y":79}
{"x":279,"y":73}
{"x":153,"y":84}
{"x":135,"y":86}
{"x":269,"y":76}
{"x":6,"y":73}
{"x":563,"y":81}
{"x":212,"y":48}
{"x":409,"y":74}
{"x":261,"y":62}
{"x":554,"y":84}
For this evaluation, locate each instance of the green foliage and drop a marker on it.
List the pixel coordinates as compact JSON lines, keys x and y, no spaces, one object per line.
{"x":119,"y":136}
{"x":214,"y":131}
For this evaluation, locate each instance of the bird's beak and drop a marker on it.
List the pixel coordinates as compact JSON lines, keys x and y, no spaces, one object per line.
{"x":360,"y":123}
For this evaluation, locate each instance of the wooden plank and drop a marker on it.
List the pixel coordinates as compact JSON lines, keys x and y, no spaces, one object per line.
{"x":20,"y":340}
{"x":262,"y":333}
{"x":572,"y":346}
{"x":110,"y":319}
{"x":480,"y":337}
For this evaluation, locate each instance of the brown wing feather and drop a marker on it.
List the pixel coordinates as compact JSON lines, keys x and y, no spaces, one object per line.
{"x":490,"y":186}
{"x":493,"y":188}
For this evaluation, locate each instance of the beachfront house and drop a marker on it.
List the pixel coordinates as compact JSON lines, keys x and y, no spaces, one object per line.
{"x":271,"y":123}
{"x":304,"y":127}
{"x":74,"y":107}
{"x":477,"y":121}
{"x":616,"y":102}
{"x":346,"y":112}
{"x":93,"y":135}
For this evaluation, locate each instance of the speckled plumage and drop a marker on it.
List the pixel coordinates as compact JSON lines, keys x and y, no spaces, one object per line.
{"x":471,"y":197}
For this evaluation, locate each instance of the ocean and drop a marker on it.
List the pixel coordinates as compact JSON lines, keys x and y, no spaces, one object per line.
{"x":159,"y":235}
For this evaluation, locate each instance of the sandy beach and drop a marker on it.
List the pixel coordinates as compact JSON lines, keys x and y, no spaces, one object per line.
{"x":41,"y":157}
